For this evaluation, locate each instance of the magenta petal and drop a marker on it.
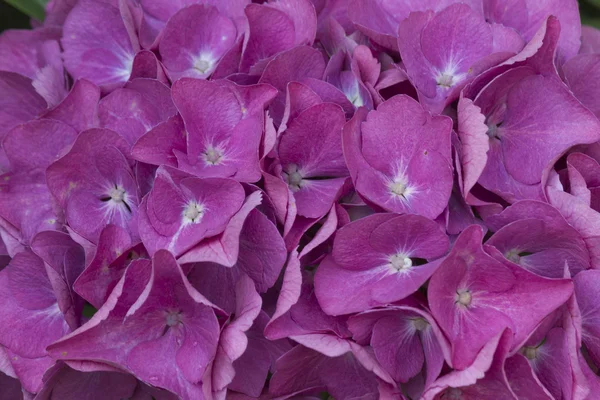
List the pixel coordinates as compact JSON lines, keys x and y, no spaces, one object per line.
{"x":164,"y":316}
{"x":586,"y":290}
{"x":317,"y":197}
{"x":36,"y":54}
{"x":135,"y":109}
{"x":20,"y":102}
{"x":158,"y":12}
{"x":390,"y":351}
{"x":104,"y":195}
{"x":178,"y":215}
{"x":331,"y":94}
{"x":37,"y":144}
{"x":520,"y":98}
{"x":568,"y":15}
{"x":400,"y":159}
{"x":302,"y":13}
{"x":30,"y":371}
{"x":357,"y":291}
{"x":11,"y":387}
{"x":233,"y":340}
{"x":64,"y":261}
{"x":552,"y":361}
{"x":79,"y":109}
{"x":146,"y":65}
{"x":61,"y":176}
{"x":257,"y":360}
{"x":374,"y":21}
{"x":27,"y":205}
{"x":467,"y":289}
{"x":484,"y":379}
{"x":292,"y":65}
{"x":352,"y":248}
{"x":303,"y":368}
{"x":32,"y":302}
{"x":387,"y":273}
{"x":290,"y":291}
{"x":114,"y":252}
{"x":90,"y":53}
{"x":542,"y":247}
{"x":67,"y":383}
{"x":299,"y":97}
{"x":262,"y":251}
{"x":440,"y":64}
{"x":216,"y":282}
{"x":583,"y":218}
{"x":26,"y":52}
{"x":312,"y":142}
{"x":412,"y":330}
{"x":516,"y":120}
{"x":522,"y":379}
{"x":159,"y":144}
{"x":224,"y":138}
{"x":474,"y":142}
{"x":581,"y":74}
{"x":236,"y":156}
{"x":258,"y":248}
{"x":195,"y":51}
{"x":224,"y":248}
{"x":270,"y":31}
{"x":590,"y":40}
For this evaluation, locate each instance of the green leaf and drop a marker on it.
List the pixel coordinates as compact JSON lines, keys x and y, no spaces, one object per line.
{"x":88,"y":310}
{"x":33,"y":8}
{"x":595,"y":22}
{"x":594,"y":2}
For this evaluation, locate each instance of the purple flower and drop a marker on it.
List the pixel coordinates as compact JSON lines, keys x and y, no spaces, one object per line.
{"x":440,"y":65}
{"x":152,"y":310}
{"x":136,"y":108}
{"x":399,"y":157}
{"x":196,"y":50}
{"x":95,"y":184}
{"x":474,"y":297}
{"x":300,"y":199}
{"x":520,"y":109}
{"x":100,"y":43}
{"x":378,"y":260}
{"x":181,"y":210}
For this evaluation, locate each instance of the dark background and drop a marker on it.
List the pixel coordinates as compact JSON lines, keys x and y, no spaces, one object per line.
{"x":11,"y":18}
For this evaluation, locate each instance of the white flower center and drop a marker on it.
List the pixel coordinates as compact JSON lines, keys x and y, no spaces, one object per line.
{"x":513,"y":256}
{"x":293,"y":177}
{"x":398,"y":188}
{"x":453,"y":394}
{"x":117,"y":194}
{"x":203,"y":64}
{"x":445,"y":80}
{"x":193,"y":212}
{"x":173,"y":318}
{"x":212,"y":156}
{"x":356,"y":100}
{"x":530,"y":352}
{"x":420,"y":324}
{"x":492,"y":131}
{"x":400,"y":262}
{"x":463,"y":297}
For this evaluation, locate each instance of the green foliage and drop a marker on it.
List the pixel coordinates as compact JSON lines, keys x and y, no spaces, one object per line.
{"x":590,"y":12}
{"x":88,"y":310}
{"x":32,"y":8}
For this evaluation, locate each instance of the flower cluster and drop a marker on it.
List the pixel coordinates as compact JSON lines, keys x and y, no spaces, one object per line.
{"x":362,"y":199}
